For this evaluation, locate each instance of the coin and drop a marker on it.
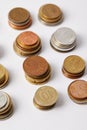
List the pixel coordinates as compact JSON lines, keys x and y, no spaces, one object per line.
{"x":77,"y":91}
{"x":45,"y":97}
{"x":3,"y":100}
{"x":63,"y":39}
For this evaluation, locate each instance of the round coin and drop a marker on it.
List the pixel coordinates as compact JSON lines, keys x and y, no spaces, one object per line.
{"x":3,"y":99}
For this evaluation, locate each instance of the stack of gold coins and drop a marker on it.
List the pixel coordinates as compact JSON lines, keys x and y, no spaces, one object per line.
{"x":3,"y":76}
{"x":50,"y":14}
{"x":45,"y":97}
{"x":73,"y":66}
{"x":6,"y":105}
{"x":19,"y":18}
{"x":77,"y":91}
{"x":37,"y":69}
{"x":27,"y":43}
{"x":63,"y":39}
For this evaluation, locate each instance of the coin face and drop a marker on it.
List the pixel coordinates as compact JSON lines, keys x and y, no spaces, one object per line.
{"x":74,"y":64}
{"x":3,"y":100}
{"x":18,"y":15}
{"x":46,"y":96}
{"x":2,"y":72}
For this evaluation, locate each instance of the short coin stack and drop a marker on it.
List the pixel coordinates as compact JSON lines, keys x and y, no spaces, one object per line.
{"x":45,"y":97}
{"x":6,"y":105}
{"x":73,"y":66}
{"x":27,"y":43}
{"x":19,"y":18}
{"x":77,"y":91}
{"x":63,"y":39}
{"x":50,"y":14}
{"x":3,"y":76}
{"x":37,"y":69}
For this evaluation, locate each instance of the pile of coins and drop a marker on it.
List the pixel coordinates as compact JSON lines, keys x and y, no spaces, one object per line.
{"x":73,"y":66}
{"x":50,"y":14}
{"x":19,"y":18}
{"x":37,"y":69}
{"x":63,"y":39}
{"x":3,"y":76}
{"x":6,"y":105}
{"x":27,"y":43}
{"x":45,"y":97}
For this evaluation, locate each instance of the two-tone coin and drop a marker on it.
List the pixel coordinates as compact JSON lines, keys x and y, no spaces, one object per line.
{"x":45,"y":97}
{"x":19,"y":18}
{"x":63,"y":39}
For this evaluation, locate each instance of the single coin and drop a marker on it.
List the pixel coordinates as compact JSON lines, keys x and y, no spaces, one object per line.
{"x":77,"y":91}
{"x":3,"y":100}
{"x":74,"y":64}
{"x":45,"y":97}
{"x":35,"y":66}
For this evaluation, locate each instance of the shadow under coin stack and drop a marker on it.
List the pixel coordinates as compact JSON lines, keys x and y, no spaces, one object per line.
{"x":73,"y":66}
{"x":63,"y":39}
{"x":6,"y":105}
{"x":3,"y":76}
{"x":37,"y":70}
{"x":45,"y":97}
{"x":27,"y":43}
{"x":19,"y":18}
{"x":50,"y":14}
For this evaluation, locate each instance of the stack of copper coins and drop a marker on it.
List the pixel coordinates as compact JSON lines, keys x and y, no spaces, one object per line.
{"x":6,"y":105}
{"x":45,"y":97}
{"x":63,"y":39}
{"x":77,"y":91}
{"x":27,"y":43}
{"x":37,"y":69}
{"x":73,"y":66}
{"x":3,"y":76}
{"x":19,"y":18}
{"x":50,"y":14}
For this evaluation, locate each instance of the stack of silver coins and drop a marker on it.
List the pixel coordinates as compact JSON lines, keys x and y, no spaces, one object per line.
{"x":63,"y":39}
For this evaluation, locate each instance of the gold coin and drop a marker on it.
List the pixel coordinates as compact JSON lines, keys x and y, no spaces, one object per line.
{"x":74,"y":64}
{"x":46,"y":97}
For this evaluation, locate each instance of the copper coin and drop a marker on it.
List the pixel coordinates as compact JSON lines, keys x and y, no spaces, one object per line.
{"x":35,"y":66}
{"x":77,"y":91}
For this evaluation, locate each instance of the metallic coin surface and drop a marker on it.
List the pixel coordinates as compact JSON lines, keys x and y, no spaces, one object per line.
{"x":74,"y":64}
{"x":46,"y":96}
{"x":2,"y":72}
{"x":3,"y":99}
{"x":35,"y":66}
{"x":18,"y":15}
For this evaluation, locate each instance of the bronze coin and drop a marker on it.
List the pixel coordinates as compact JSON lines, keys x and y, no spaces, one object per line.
{"x":77,"y":91}
{"x":35,"y":66}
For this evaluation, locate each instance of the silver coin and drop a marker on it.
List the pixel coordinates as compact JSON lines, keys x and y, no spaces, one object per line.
{"x":3,"y":99}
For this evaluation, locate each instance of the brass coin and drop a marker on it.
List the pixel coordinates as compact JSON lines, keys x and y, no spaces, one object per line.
{"x":46,"y":97}
{"x":74,"y":64}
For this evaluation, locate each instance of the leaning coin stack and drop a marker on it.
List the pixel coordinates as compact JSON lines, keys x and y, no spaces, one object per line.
{"x":63,"y":39}
{"x":73,"y":66}
{"x":50,"y":14}
{"x":77,"y":91}
{"x":19,"y":18}
{"x":6,"y":105}
{"x":37,"y":69}
{"x":3,"y":76}
{"x":45,"y":97}
{"x":27,"y":43}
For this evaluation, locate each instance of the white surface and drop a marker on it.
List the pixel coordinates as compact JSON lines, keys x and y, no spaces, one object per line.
{"x":66,"y":115}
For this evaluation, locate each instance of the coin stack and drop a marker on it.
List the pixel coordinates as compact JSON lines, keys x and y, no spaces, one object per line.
{"x":3,"y":76}
{"x":6,"y":105}
{"x":19,"y":18}
{"x":45,"y":97}
{"x":63,"y":39}
{"x":73,"y":66}
{"x":77,"y":91}
{"x":27,"y":43}
{"x":37,"y":69}
{"x":50,"y":14}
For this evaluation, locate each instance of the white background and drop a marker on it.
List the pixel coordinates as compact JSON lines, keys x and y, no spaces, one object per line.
{"x":66,"y":115}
